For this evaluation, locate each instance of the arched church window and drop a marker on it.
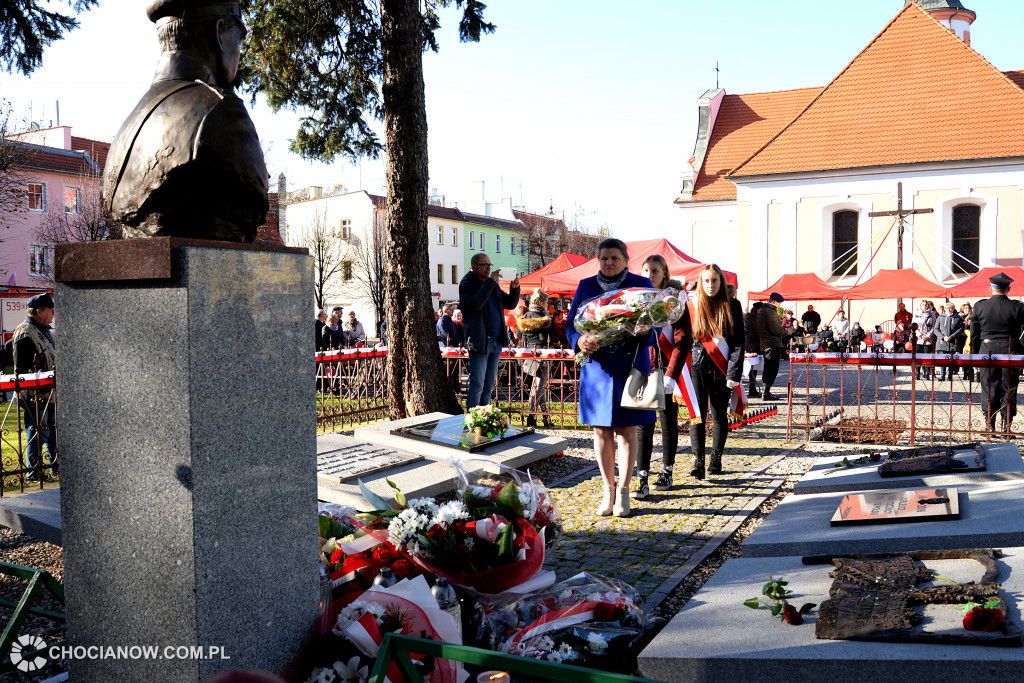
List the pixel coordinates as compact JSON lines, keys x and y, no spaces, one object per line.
{"x":966,"y":239}
{"x":844,"y":243}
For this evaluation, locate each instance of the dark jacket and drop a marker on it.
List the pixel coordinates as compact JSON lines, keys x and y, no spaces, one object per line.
{"x":474,"y":295}
{"x":769,"y":329}
{"x":951,"y":326}
{"x":998,"y":318}
{"x":320,"y":343}
{"x":857,"y":335}
{"x":811,"y":321}
{"x":333,"y":339}
{"x":699,"y":355}
{"x":448,"y":331}
{"x":536,"y":329}
{"x":751,"y":339}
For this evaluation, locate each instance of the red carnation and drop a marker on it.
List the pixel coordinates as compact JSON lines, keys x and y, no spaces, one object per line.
{"x":436,"y":534}
{"x":460,"y":526}
{"x":337,"y":556}
{"x":402,"y":568}
{"x":383,"y":555}
{"x":983,"y":619}
{"x":604,"y":612}
{"x":791,"y":615}
{"x":390,"y":623}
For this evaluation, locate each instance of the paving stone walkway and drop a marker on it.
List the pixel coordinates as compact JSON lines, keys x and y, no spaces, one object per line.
{"x":655,"y":547}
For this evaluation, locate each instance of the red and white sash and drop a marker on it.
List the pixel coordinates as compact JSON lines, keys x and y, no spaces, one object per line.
{"x":718,"y":350}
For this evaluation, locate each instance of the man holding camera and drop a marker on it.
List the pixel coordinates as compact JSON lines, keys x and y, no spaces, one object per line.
{"x":483,"y":305}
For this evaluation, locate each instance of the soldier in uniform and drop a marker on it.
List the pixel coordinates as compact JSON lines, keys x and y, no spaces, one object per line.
{"x":187,"y":162}
{"x":996,"y":325}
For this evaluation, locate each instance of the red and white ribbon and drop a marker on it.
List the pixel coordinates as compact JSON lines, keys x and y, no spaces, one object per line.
{"x":31,"y":380}
{"x":489,"y":528}
{"x":557,"y":619}
{"x":976,"y":360}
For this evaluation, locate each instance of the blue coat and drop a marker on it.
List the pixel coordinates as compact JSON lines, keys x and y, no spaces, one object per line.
{"x":603,"y":378}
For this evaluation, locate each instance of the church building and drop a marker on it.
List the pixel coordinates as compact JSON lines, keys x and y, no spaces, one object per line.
{"x":783,"y":182}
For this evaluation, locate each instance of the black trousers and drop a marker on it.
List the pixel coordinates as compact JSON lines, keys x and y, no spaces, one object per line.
{"x":709,"y":385}
{"x":771,"y":367}
{"x":998,"y":386}
{"x":669,"y":419}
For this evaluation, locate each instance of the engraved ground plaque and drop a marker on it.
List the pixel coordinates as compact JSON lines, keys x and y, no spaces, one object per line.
{"x":361,"y":460}
{"x":893,"y":507}
{"x":933,"y":460}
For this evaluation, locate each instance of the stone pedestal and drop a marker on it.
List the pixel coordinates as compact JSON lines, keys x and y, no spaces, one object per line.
{"x":187,"y":438}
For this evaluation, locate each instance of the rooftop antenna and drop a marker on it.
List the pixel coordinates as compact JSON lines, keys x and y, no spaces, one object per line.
{"x":716,"y":74}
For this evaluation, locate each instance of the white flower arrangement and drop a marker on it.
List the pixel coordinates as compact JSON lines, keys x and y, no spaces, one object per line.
{"x":597,"y":643}
{"x":353,"y":612}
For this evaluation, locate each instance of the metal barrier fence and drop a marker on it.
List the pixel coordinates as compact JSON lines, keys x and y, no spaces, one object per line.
{"x":878,"y":398}
{"x":37,"y":402}
{"x":352,"y":386}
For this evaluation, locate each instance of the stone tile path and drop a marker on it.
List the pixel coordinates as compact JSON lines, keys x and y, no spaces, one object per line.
{"x":670,"y":531}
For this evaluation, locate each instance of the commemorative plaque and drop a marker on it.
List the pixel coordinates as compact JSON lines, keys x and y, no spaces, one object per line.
{"x":894,"y":507}
{"x":933,"y":460}
{"x":451,"y":433}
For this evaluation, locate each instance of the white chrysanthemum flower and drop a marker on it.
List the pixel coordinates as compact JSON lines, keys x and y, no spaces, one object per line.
{"x":567,"y":653}
{"x":323,"y":675}
{"x":482,"y":491}
{"x":425,"y":506}
{"x":597,"y":643}
{"x":546,"y":643}
{"x":449,"y":512}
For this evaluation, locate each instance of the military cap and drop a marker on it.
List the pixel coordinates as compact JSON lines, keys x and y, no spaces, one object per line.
{"x":41,"y":301}
{"x":159,"y":9}
{"x":775,"y":296}
{"x":1000,"y":280}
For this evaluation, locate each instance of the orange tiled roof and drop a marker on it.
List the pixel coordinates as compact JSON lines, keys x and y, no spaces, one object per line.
{"x":743,"y":124}
{"x":915,"y":94}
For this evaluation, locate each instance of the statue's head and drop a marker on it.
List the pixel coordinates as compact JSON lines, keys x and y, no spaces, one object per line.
{"x":204,"y":29}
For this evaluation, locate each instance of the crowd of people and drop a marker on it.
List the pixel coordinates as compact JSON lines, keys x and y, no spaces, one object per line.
{"x":332,"y":333}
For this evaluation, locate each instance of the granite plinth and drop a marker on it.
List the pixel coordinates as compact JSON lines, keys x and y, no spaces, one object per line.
{"x":188,"y":470}
{"x":717,"y":638}
{"x":517,"y":452}
{"x":1003,"y":463}
{"x":36,"y":514}
{"x":799,"y":525}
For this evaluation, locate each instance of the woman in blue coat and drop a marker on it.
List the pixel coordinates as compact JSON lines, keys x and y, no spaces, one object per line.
{"x":603,"y":378}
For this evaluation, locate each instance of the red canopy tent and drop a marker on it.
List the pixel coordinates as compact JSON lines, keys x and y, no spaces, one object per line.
{"x":977,"y":286}
{"x":528,"y":283}
{"x":895,"y":284}
{"x":800,"y":287}
{"x":680,"y":265}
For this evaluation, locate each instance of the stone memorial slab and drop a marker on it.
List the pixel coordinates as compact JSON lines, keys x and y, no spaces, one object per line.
{"x":1003,"y":463}
{"x":895,"y":507}
{"x":518,"y":452}
{"x":799,"y":525}
{"x":35,"y":513}
{"x":716,"y":638}
{"x":452,"y":433}
{"x":360,"y":460}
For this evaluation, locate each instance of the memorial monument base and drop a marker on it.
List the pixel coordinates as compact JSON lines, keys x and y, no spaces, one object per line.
{"x":188,"y":455}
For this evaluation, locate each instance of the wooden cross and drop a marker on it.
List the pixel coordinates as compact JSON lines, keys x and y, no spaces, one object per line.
{"x":900,"y":216}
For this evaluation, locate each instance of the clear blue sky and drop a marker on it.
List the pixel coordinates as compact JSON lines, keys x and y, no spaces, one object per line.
{"x":589,"y":106}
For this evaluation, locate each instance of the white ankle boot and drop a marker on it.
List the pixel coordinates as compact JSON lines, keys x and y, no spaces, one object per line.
{"x":608,"y":501}
{"x":621,"y":507}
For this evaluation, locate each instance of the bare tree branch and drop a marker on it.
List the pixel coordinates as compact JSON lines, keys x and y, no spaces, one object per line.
{"x":365,"y":254}
{"x":328,"y":251}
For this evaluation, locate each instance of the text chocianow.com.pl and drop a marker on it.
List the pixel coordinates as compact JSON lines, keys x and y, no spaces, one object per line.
{"x":30,"y":653}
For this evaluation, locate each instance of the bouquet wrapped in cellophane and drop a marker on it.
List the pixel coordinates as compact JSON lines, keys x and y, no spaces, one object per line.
{"x":586,"y":619}
{"x":617,"y":315}
{"x":489,"y":488}
{"x":478,"y":551}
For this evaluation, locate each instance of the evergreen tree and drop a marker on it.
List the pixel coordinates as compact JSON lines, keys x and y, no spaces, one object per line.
{"x":26,"y":28}
{"x":343,"y":63}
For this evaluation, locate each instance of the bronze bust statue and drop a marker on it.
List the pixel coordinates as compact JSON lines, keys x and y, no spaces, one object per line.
{"x":187,"y":162}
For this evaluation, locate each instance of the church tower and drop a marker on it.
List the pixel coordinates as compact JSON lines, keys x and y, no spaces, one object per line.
{"x":951,"y":14}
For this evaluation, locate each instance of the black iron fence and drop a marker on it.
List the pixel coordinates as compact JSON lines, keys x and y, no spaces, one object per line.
{"x":900,"y":397}
{"x":29,"y":426}
{"x":533,"y":386}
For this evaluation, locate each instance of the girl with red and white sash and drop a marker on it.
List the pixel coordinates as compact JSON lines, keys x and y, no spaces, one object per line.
{"x":716,"y":363}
